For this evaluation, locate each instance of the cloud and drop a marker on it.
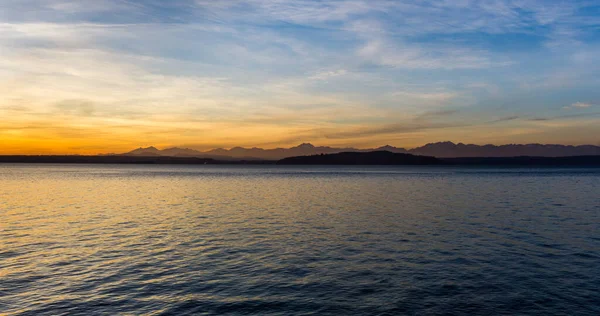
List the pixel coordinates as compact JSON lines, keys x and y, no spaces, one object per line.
{"x":436,"y":97}
{"x":435,"y":115}
{"x":414,"y":56}
{"x":77,"y":107}
{"x":487,"y":87}
{"x":395,"y":128}
{"x":503,"y":119}
{"x":578,"y":105}
{"x":569,"y":116}
{"x":327,"y":74}
{"x":292,"y":11}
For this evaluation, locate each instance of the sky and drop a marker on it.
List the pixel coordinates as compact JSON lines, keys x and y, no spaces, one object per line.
{"x":100,"y":76}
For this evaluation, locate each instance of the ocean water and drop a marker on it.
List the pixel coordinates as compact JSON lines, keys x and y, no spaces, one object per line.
{"x":274,"y":240}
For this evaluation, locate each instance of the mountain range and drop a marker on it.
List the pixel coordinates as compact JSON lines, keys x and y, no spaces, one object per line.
{"x":440,"y":150}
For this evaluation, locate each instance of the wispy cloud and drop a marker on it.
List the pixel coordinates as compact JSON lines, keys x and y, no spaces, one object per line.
{"x":398,"y":128}
{"x":327,"y":74}
{"x":503,"y":119}
{"x":435,"y":97}
{"x":435,"y":115}
{"x":578,"y":105}
{"x":77,"y":107}
{"x":435,"y":57}
{"x":568,"y":116}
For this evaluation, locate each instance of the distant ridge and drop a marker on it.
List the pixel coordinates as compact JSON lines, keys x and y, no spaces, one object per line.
{"x":440,"y":150}
{"x":254,"y":153}
{"x":452,"y":150}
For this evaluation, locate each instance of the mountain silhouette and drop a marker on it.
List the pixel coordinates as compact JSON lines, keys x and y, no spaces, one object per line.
{"x":146,"y":152}
{"x":440,"y":150}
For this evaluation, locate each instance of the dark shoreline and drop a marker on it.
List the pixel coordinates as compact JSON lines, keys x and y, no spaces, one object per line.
{"x":388,"y":158}
{"x":371,"y":158}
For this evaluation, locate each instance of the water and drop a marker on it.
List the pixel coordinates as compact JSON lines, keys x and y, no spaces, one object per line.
{"x":273,"y":240}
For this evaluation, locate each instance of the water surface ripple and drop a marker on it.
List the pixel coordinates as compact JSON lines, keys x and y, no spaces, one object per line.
{"x":274,"y":240}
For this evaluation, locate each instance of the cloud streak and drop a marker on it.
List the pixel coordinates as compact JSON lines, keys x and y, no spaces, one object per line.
{"x":503,"y":119}
{"x":578,"y":105}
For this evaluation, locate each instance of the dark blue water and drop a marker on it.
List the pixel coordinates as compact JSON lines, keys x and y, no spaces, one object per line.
{"x":272,"y":240}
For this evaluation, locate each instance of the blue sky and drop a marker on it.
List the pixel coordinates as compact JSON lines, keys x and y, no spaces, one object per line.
{"x":106,"y":75}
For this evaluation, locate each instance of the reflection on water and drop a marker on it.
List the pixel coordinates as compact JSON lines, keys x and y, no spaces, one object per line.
{"x":296,"y":240}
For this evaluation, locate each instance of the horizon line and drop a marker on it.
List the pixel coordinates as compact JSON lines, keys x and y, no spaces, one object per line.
{"x":365,"y":148}
{"x":101,"y":151}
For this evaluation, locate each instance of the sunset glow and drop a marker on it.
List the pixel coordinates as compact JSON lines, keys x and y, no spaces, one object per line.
{"x":87,"y":77}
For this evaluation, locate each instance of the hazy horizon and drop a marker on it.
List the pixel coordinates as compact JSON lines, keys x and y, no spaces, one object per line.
{"x":209,"y":149}
{"x":372,"y":147}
